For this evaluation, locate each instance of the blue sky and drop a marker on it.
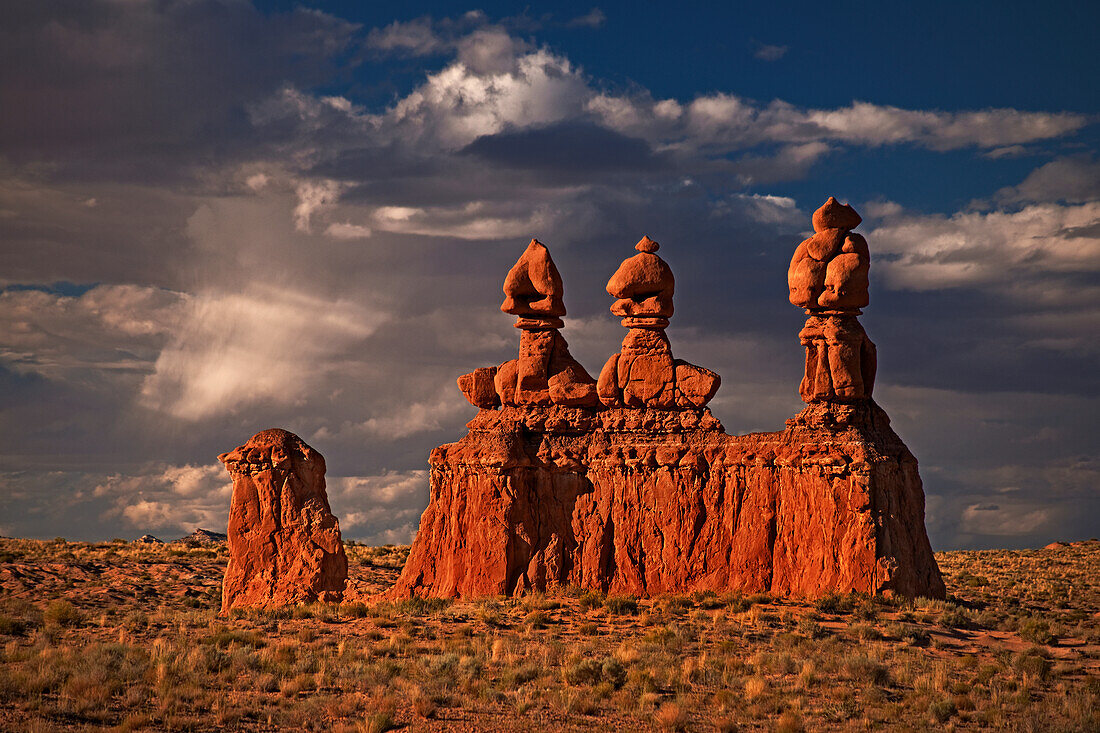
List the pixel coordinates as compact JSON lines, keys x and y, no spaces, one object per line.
{"x":218,"y":216}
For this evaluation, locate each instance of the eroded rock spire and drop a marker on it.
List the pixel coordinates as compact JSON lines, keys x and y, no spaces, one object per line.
{"x":545,"y":373}
{"x":644,"y":373}
{"x":828,"y":277}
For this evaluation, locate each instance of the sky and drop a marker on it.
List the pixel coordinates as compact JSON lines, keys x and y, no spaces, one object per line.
{"x":220,"y":216}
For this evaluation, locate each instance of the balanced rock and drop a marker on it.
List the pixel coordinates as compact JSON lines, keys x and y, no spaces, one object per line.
{"x":644,"y":372}
{"x":284,"y":542}
{"x":545,"y":373}
{"x":828,"y":277}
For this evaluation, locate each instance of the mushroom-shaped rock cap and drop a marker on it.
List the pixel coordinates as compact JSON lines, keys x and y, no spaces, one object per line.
{"x":835,"y":215}
{"x":533,"y":286}
{"x":643,"y":284}
{"x":271,"y":447}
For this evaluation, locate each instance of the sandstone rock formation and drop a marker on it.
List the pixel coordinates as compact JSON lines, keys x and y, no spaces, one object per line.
{"x":646,"y":501}
{"x":645,"y":493}
{"x":284,"y":542}
{"x":545,"y":373}
{"x":828,"y":277}
{"x":644,"y":373}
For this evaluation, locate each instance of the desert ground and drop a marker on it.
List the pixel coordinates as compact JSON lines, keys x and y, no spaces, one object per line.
{"x":126,"y":636}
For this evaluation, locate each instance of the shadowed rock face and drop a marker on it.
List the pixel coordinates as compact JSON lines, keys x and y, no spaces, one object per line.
{"x":284,"y":542}
{"x":645,"y":493}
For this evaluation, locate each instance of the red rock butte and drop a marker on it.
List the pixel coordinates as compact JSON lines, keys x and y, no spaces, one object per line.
{"x":629,"y":485}
{"x":284,"y":542}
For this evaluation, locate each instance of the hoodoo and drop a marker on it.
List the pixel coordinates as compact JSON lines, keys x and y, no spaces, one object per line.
{"x":632,"y":486}
{"x":284,"y":542}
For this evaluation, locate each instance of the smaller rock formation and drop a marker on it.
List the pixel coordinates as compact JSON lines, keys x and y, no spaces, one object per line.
{"x":148,"y":539}
{"x":545,"y":373}
{"x":284,"y":542}
{"x":202,"y":537}
{"x":828,"y":277}
{"x":644,"y":373}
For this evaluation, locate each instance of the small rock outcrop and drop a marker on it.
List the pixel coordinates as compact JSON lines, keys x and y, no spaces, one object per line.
{"x":643,"y":492}
{"x":148,"y":539}
{"x":202,"y":537}
{"x":284,"y":542}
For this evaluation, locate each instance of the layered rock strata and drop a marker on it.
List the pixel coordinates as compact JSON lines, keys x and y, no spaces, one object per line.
{"x":646,"y":494}
{"x":284,"y":542}
{"x":645,"y":501}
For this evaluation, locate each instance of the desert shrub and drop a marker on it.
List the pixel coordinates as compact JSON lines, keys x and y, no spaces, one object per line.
{"x":355,"y":610}
{"x":789,"y":722}
{"x":1037,"y":631}
{"x":833,"y":602}
{"x":536,"y":619}
{"x":672,"y":717}
{"x":737,"y":603}
{"x":755,"y":687}
{"x":956,"y":618}
{"x":1032,"y":662}
{"x":584,"y":672}
{"x":621,"y":606}
{"x":613,"y":672}
{"x":865,"y":669}
{"x":224,"y":638}
{"x":62,"y":613}
{"x":810,"y":628}
{"x":942,"y":710}
{"x":590,"y":600}
{"x":706,"y":599}
{"x":517,"y":676}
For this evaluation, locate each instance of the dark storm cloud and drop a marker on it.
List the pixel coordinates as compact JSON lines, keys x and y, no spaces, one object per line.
{"x":576,"y":148}
{"x":132,"y":90}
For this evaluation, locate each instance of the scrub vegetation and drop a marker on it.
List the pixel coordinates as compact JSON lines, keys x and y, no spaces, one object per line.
{"x":126,"y":637}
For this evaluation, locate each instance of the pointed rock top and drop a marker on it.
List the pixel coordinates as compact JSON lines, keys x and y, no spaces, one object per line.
{"x":835,"y":215}
{"x":645,"y":244}
{"x":533,"y":287}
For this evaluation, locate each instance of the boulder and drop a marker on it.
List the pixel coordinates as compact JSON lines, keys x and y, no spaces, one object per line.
{"x":284,"y":542}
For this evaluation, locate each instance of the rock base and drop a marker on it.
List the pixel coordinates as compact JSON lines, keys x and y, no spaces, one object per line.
{"x":646,"y":502}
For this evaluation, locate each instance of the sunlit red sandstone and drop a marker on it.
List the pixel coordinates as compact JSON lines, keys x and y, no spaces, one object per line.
{"x":646,"y":494}
{"x":284,"y":542}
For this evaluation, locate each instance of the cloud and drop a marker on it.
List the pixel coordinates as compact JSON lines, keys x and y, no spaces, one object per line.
{"x":347,"y":230}
{"x":475,"y":220}
{"x":268,"y":344}
{"x":766,"y":52}
{"x":313,"y":197}
{"x":969,"y":249}
{"x":381,"y":509}
{"x":161,"y":498}
{"x":1073,"y":180}
{"x":594,"y":18}
{"x":108,"y":329}
{"x":307,"y":226}
{"x":409,"y":38}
